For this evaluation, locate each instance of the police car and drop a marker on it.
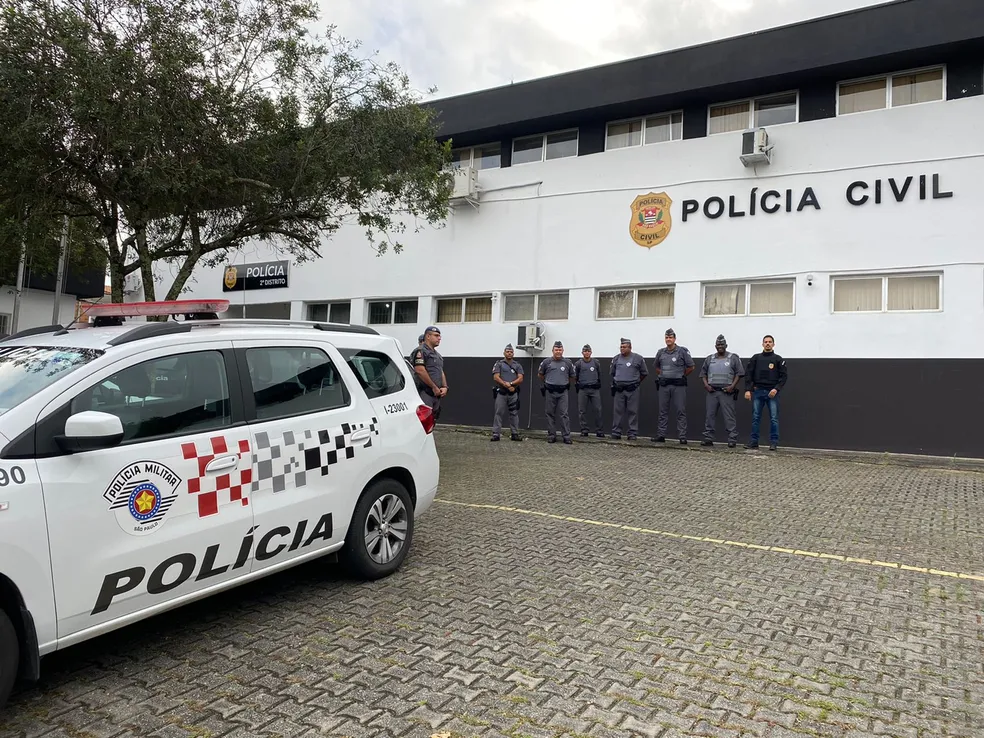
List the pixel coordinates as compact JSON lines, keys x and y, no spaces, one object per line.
{"x":144,"y":465}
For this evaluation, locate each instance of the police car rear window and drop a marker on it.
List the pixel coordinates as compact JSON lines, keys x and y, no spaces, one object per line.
{"x":376,"y":372}
{"x":26,"y":370}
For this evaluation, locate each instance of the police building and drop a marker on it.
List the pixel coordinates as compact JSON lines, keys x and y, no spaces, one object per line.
{"x":821,"y":182}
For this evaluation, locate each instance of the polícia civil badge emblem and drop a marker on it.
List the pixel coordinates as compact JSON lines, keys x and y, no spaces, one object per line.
{"x":651,"y":221}
{"x":231,"y":277}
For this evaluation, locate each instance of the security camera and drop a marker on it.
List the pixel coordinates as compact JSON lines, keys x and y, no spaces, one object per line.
{"x":809,"y":280}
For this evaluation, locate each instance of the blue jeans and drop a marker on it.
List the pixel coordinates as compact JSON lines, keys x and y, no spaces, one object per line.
{"x":759,"y":398}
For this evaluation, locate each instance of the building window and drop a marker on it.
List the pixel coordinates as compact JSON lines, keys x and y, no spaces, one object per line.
{"x":879,"y":294}
{"x":558,"y":145}
{"x":480,"y":157}
{"x":749,"y":298}
{"x":542,"y":306}
{"x":644,"y":131}
{"x":330,"y":312}
{"x":759,"y":112}
{"x":382,"y":312}
{"x":465,"y":309}
{"x":644,"y":302}
{"x":891,"y":91}
{"x":4,"y":324}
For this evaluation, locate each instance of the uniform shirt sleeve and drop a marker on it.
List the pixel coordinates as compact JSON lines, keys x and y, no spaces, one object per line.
{"x":495,"y":368}
{"x":736,"y":365}
{"x":543,"y":367}
{"x":643,"y":369}
{"x":418,"y":358}
{"x":577,"y":369}
{"x":688,"y":360}
{"x":518,"y":368}
{"x":703,"y":367}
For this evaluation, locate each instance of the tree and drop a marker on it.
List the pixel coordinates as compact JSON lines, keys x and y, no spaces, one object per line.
{"x":181,"y":129}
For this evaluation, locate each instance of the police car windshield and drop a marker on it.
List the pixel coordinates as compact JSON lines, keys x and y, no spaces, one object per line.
{"x":26,"y":370}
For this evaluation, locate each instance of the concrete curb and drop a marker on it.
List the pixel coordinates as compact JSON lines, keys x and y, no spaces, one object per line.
{"x":917,"y":461}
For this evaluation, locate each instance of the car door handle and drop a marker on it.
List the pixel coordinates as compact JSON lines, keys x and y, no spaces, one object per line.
{"x":361,"y":435}
{"x":222,"y":462}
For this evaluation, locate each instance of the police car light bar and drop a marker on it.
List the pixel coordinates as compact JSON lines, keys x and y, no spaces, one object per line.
{"x":165,"y":307}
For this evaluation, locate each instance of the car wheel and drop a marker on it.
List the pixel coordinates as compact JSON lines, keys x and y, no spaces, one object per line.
{"x":9,"y":657}
{"x":381,"y":530}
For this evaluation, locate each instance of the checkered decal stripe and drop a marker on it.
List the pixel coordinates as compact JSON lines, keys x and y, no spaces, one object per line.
{"x":216,"y":490}
{"x":288,"y":460}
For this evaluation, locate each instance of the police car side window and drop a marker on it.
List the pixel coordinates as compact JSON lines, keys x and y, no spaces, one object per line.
{"x":294,"y":381}
{"x":376,"y":372}
{"x":157,"y":398}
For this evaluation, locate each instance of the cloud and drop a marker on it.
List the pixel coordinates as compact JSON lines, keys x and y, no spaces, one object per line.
{"x":465,"y":45}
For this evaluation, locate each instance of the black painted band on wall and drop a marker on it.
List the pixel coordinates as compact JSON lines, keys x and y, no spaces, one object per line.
{"x":917,"y":406}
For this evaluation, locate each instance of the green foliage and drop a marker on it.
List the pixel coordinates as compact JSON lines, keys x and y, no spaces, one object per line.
{"x":178,"y":130}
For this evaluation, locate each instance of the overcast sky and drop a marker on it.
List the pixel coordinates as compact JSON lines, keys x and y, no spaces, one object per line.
{"x":466,"y":45}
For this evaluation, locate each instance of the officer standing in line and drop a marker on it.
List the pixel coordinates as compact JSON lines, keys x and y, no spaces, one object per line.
{"x":429,"y":366}
{"x":628,"y":371}
{"x":557,"y":373}
{"x":673,"y":364}
{"x":764,"y":380}
{"x":587,"y":385}
{"x":721,"y":373}
{"x":507,"y":375}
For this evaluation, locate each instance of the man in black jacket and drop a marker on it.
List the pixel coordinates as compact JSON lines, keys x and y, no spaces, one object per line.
{"x":764,"y":379}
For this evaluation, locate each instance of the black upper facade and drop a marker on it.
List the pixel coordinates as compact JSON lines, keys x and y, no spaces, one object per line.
{"x":825,"y":66}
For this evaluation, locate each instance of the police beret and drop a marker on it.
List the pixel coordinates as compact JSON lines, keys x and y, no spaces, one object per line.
{"x":670,"y":332}
{"x":432,"y":329}
{"x":625,"y":340}
{"x":509,"y":347}
{"x":586,"y":347}
{"x":558,"y":344}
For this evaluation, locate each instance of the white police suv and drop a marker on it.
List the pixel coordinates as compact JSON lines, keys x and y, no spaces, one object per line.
{"x":144,"y":465}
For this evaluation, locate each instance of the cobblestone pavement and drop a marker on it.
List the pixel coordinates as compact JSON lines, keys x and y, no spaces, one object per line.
{"x":508,"y":622}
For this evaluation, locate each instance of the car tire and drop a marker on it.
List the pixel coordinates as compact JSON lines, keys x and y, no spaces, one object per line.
{"x":373,"y":548}
{"x":9,"y":657}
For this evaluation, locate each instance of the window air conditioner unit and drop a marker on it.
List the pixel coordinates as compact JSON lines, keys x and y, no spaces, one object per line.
{"x":530,"y":336}
{"x":755,"y":147}
{"x":465,"y":188}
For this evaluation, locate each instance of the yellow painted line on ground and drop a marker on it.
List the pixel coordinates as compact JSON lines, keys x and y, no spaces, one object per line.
{"x":721,"y":541}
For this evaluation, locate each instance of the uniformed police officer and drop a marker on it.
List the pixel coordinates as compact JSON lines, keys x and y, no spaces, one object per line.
{"x":429,"y":366}
{"x":628,"y":371}
{"x":673,"y":364}
{"x":557,"y":373}
{"x":507,"y":375}
{"x":587,"y":384}
{"x":721,"y":373}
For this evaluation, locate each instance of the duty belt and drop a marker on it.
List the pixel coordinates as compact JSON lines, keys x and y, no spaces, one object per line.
{"x":556,"y":388}
{"x":498,"y":389}
{"x":589,"y":386}
{"x":626,"y":386}
{"x":677,"y":381}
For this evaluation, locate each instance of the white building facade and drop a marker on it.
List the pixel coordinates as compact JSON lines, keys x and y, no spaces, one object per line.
{"x":855,"y":242}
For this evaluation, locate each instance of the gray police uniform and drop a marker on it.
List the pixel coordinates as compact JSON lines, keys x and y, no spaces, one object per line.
{"x":627,"y":375}
{"x":588,"y":376}
{"x":433,"y":362}
{"x":673,"y":388}
{"x":506,"y":401}
{"x":720,"y":372}
{"x":556,"y":378}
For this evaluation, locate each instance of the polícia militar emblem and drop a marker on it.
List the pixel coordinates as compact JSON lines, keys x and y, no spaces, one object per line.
{"x":140,"y":496}
{"x":651,"y":221}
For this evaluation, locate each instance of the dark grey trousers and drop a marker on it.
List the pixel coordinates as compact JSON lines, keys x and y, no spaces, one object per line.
{"x":726,"y":402}
{"x":506,"y":405}
{"x":675,"y":396}
{"x":556,"y":409}
{"x":626,"y":403}
{"x":589,"y":398}
{"x":434,"y":403}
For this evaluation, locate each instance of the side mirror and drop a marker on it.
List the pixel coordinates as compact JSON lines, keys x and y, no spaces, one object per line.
{"x":90,"y":430}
